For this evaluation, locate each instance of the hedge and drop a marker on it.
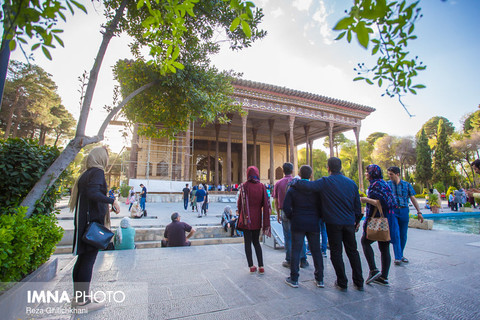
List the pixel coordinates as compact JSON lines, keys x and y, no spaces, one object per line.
{"x":26,"y":243}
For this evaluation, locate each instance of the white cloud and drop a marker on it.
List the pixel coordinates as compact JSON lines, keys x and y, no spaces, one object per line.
{"x":302,"y":5}
{"x":320,"y":16}
{"x":277,"y":13}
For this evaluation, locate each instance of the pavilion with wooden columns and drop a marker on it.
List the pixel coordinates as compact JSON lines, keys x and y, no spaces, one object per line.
{"x":276,"y":121}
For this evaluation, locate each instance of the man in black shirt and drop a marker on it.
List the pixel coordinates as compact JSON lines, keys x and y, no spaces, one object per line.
{"x":174,"y":235}
{"x":186,"y":194}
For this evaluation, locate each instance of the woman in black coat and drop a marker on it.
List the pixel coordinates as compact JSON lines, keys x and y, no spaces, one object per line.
{"x":89,"y":201}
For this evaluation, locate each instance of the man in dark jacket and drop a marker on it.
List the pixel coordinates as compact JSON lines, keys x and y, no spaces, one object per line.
{"x":342,"y":213}
{"x":302,"y":208}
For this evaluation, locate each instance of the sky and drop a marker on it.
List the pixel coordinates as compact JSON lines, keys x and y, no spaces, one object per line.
{"x":300,"y":53}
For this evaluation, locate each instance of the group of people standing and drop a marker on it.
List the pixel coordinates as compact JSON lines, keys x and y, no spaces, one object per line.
{"x":333,"y":202}
{"x":198,"y":197}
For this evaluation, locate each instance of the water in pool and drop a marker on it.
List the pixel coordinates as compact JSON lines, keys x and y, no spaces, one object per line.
{"x":465,"y":225}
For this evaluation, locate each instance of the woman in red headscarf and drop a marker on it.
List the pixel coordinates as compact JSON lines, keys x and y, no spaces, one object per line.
{"x":254,"y":215}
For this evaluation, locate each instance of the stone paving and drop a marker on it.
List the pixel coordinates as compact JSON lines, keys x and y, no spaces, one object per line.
{"x":442,"y":281}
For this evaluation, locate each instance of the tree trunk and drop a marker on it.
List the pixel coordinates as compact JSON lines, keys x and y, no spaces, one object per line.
{"x":68,"y":155}
{"x":75,"y":145}
{"x":10,"y":114}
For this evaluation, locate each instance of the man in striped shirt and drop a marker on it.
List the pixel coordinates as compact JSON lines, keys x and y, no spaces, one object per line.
{"x":403,"y":192}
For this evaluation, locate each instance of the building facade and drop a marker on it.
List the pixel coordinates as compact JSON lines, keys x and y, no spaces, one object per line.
{"x":275,"y":122}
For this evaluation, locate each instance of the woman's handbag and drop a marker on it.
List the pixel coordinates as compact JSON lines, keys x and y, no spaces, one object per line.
{"x":377,"y":228}
{"x":97,"y":235}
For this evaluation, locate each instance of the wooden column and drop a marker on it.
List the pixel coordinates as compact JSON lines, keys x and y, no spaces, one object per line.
{"x":287,"y":139}
{"x":229,"y":154}
{"x":244,"y":148}
{"x":208,"y":161}
{"x":307,"y":145}
{"x":254,"y":132}
{"x":291,"y":122}
{"x":311,"y":153}
{"x":186,"y":163}
{"x":330,"y":137}
{"x":217,"y":132}
{"x":271,"y":123}
{"x":174,"y":160}
{"x":356,"y":130}
{"x":132,"y":170}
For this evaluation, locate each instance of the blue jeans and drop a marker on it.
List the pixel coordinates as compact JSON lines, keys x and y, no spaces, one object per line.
{"x":185,"y":203}
{"x":287,"y":235}
{"x":298,"y":244}
{"x":402,"y":218}
{"x":142,"y":203}
{"x":323,"y":232}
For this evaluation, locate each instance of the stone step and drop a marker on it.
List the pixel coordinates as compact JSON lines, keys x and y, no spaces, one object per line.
{"x":65,"y":249}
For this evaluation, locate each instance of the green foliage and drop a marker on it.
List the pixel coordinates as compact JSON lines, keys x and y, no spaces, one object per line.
{"x":22,"y":164}
{"x":31,"y":105}
{"x":443,"y":156}
{"x":417,"y":188}
{"x":467,"y":205}
{"x":167,"y":108}
{"x":22,"y":19}
{"x":433,"y":200}
{"x":179,"y":33}
{"x":394,"y":22}
{"x":431,"y":129}
{"x":25,"y":243}
{"x":439,"y":186}
{"x":424,"y":170}
{"x":319,"y":162}
{"x":124,"y":189}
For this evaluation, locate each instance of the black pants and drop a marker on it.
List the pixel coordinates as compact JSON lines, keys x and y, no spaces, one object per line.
{"x":232,"y":226}
{"x":297,"y":244}
{"x":249,"y":237}
{"x":384,"y":247}
{"x":82,"y":274}
{"x":338,"y":234}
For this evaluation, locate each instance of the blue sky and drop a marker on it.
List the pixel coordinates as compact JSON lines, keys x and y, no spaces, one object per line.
{"x":300,"y":53}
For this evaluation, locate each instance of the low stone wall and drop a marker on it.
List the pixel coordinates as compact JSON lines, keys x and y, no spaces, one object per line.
{"x":426,"y":225}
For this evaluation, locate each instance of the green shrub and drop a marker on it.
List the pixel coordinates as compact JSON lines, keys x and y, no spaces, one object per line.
{"x":417,"y":188}
{"x":467,"y":205}
{"x":124,"y":189}
{"x":439,"y":186}
{"x":25,"y":243}
{"x":22,"y":164}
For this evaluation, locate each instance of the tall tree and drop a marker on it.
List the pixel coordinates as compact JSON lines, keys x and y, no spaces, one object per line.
{"x":431,"y":129}
{"x":172,"y":30}
{"x":443,"y":156}
{"x":385,"y":152}
{"x":424,"y":172}
{"x":338,"y":139}
{"x":406,"y":154}
{"x":319,"y":161}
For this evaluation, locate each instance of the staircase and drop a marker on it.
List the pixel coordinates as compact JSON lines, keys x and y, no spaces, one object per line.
{"x":152,"y":238}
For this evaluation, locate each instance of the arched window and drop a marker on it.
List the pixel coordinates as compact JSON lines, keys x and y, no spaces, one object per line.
{"x":278,"y":173}
{"x":162,"y":169}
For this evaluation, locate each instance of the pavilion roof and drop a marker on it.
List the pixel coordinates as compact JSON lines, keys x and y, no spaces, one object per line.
{"x":299,"y":94}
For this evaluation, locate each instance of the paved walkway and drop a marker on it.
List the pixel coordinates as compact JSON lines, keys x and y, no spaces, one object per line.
{"x":442,"y":281}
